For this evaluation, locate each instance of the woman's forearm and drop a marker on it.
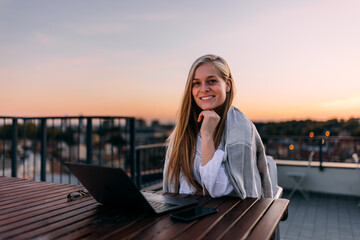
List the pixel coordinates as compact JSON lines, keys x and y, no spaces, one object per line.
{"x":207,"y":149}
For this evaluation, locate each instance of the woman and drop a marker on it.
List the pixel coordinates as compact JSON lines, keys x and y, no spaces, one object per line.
{"x":214,"y":148}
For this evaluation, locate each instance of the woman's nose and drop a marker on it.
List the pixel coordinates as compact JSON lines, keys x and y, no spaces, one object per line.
{"x":204,"y":88}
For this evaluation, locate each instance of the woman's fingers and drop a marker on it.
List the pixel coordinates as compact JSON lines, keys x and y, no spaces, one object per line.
{"x":208,"y":114}
{"x":210,"y":119}
{"x":201,"y":117}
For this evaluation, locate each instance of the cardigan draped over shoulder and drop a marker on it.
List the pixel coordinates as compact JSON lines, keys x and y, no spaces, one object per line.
{"x":244,"y":159}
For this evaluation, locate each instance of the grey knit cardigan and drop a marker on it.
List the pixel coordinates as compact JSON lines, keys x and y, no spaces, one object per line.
{"x":244,"y":159}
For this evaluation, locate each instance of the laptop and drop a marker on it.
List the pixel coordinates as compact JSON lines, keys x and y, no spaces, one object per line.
{"x":113,"y":187}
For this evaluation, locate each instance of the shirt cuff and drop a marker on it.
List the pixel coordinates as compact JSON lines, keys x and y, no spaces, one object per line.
{"x":210,"y":171}
{"x":215,"y":162}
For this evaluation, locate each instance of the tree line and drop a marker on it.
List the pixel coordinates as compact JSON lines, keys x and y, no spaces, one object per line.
{"x":350,"y":127}
{"x":335,"y":127}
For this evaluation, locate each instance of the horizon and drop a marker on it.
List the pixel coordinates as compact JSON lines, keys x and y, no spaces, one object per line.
{"x":290,"y":60}
{"x":149,"y":121}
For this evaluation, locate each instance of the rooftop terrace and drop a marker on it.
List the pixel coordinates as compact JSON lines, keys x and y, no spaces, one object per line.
{"x":36,"y":149}
{"x":323,"y":216}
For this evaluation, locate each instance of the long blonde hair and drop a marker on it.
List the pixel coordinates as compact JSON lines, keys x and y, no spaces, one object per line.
{"x":182,"y":141}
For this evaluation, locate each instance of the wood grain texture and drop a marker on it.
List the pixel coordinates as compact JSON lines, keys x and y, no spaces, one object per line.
{"x":40,"y":210}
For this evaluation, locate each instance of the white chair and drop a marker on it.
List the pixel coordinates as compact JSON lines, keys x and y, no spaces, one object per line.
{"x":297,"y":178}
{"x":356,"y":160}
{"x":277,"y":190}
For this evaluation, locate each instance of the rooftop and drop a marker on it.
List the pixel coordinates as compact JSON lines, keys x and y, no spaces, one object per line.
{"x":323,"y":216}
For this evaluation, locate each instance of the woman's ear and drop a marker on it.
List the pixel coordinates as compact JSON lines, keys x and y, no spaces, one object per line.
{"x":228,"y":84}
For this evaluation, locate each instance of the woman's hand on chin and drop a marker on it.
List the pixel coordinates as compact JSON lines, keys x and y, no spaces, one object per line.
{"x":210,"y":119}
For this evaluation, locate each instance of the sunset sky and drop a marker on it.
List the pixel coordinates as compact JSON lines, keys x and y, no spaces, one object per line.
{"x":290,"y":59}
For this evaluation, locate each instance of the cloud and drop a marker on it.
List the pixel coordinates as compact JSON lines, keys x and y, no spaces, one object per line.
{"x":344,"y":103}
{"x":44,"y":39}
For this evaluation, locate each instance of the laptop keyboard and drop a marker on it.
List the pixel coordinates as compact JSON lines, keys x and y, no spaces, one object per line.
{"x":159,"y":206}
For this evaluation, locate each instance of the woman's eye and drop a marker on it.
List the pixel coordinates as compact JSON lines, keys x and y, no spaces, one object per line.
{"x":212,"y":81}
{"x":195,"y":83}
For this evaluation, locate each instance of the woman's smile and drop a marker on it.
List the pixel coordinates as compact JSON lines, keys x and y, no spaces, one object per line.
{"x":207,"y":98}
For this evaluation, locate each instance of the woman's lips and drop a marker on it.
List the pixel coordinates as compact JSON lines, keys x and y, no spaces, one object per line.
{"x":207,"y":97}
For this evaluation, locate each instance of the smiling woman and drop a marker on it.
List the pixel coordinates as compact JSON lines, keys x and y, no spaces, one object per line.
{"x":214,"y":148}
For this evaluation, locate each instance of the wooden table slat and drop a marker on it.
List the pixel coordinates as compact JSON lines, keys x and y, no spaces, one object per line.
{"x":175,"y":227}
{"x":263,"y":229}
{"x":152,"y":228}
{"x":4,"y":184}
{"x":35,"y":208}
{"x":28,"y":192}
{"x":5,"y":179}
{"x":11,"y":186}
{"x":242,"y":229}
{"x":230,"y":219}
{"x":34,"y":216}
{"x":110,"y":230}
{"x":206,"y":224}
{"x":100,"y":229}
{"x":88,"y":226}
{"x":54,"y":222}
{"x":20,"y":188}
{"x":24,"y":201}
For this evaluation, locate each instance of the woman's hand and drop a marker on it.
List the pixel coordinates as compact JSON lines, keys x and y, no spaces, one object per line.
{"x":210,"y":120}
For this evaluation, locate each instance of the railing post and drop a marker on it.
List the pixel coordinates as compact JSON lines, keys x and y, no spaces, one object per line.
{"x":43,"y":150}
{"x":89,"y":140}
{"x":138,"y":169}
{"x":321,"y":168}
{"x":14,"y":136}
{"x":355,"y":146}
{"x":132,"y":150}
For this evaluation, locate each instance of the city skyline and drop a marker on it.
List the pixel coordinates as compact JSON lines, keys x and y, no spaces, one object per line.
{"x":290,"y":59}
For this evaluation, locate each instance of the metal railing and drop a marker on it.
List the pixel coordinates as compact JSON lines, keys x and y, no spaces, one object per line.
{"x":326,"y":149}
{"x":36,"y":148}
{"x":149,"y":162}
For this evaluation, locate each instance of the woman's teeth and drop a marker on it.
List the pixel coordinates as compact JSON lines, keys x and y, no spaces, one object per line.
{"x":206,"y":98}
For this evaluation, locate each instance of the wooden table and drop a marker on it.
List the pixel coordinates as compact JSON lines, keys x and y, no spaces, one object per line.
{"x":40,"y":210}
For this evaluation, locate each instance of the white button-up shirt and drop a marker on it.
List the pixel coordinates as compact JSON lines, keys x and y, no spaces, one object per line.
{"x":212,"y":175}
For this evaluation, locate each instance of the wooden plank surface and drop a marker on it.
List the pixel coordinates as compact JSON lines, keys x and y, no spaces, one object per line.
{"x":31,"y":209}
{"x":206,"y":224}
{"x":145,"y":225}
{"x":270,"y":220}
{"x":230,"y":219}
{"x":242,"y":229}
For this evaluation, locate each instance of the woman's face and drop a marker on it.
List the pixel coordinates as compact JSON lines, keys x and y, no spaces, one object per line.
{"x":208,"y":88}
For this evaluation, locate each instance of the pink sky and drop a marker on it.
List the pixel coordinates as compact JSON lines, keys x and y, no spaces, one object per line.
{"x":290,"y":60}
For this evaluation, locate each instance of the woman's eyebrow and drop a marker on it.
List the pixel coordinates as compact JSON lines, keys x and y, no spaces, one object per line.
{"x":211,"y":76}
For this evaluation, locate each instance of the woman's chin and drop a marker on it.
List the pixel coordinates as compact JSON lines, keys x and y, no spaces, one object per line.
{"x":207,"y":109}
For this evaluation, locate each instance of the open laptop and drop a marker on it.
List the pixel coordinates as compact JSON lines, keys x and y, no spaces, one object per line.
{"x":112,"y":186}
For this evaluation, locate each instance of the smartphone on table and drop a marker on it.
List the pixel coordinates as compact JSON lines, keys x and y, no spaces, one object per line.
{"x":193,"y":213}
